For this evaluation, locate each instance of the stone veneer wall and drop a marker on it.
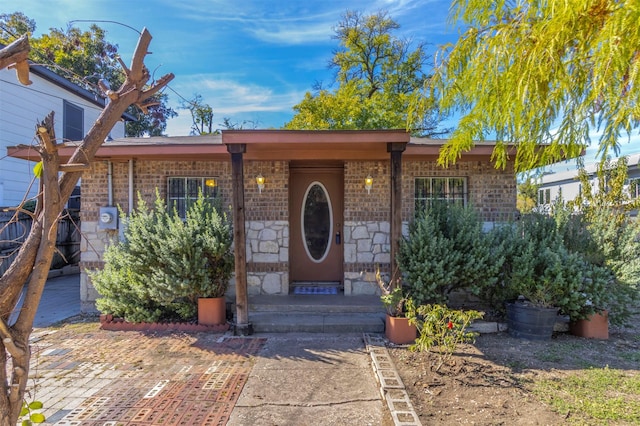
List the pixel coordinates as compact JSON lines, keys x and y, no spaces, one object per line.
{"x":267,"y":227}
{"x":366,"y":225}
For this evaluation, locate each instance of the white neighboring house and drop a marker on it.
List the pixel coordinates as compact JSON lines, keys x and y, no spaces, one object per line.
{"x":567,"y":185}
{"x":21,"y":107}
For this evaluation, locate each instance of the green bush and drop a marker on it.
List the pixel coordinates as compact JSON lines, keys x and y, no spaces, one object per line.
{"x":165,"y":263}
{"x":556,"y":261}
{"x":579,"y":263}
{"x":616,"y":247}
{"x":446,"y":250}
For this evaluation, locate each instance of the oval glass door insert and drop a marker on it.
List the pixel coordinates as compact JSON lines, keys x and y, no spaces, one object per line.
{"x":317,"y":221}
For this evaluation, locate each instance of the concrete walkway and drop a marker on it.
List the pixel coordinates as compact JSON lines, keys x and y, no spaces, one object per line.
{"x":60,"y":300}
{"x":311,"y":379}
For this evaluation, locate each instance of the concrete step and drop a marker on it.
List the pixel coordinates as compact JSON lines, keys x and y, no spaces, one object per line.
{"x":316,"y":314}
{"x":315,"y":322}
{"x":323,"y":304}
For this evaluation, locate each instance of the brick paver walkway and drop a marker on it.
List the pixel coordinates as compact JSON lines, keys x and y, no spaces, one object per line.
{"x":86,"y":376}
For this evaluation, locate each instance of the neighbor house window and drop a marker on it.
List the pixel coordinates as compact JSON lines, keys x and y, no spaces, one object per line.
{"x":182,"y":191}
{"x":72,"y":122}
{"x":429,"y":190}
{"x":634,"y":188}
{"x":544,"y":196}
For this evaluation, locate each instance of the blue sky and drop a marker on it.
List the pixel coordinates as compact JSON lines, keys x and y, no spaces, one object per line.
{"x":250,"y":59}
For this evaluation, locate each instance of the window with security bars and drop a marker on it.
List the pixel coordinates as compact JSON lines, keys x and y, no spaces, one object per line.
{"x":183,"y":191}
{"x":430,"y":190}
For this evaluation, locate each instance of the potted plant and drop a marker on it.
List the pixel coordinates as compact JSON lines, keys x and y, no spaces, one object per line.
{"x":540,"y":275}
{"x":210,"y":260}
{"x":397,"y":327}
{"x":588,"y":315}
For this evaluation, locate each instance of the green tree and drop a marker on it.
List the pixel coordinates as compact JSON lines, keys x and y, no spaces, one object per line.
{"x":85,"y":57}
{"x":201,"y":115}
{"x":611,"y":191}
{"x":152,"y":120}
{"x":532,"y":72}
{"x":14,"y":25}
{"x":527,"y":195}
{"x":378,"y":76}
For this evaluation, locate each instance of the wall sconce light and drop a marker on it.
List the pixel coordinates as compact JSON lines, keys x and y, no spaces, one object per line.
{"x":211,"y":183}
{"x":260,"y":182}
{"x":368,"y":183}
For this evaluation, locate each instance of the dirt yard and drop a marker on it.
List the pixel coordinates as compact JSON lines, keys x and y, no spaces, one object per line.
{"x":491,"y":382}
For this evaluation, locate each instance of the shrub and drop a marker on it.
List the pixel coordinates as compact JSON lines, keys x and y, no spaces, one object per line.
{"x":556,"y":261}
{"x":441,"y":329}
{"x":444,"y":251}
{"x":164,"y":264}
{"x":616,"y":247}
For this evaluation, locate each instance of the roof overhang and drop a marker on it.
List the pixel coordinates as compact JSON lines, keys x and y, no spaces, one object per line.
{"x":271,"y":145}
{"x":315,"y":144}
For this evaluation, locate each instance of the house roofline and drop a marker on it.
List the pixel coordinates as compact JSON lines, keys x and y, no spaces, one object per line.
{"x":270,"y":145}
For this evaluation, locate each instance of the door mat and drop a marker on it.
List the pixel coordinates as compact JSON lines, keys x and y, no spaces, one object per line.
{"x":314,"y":289}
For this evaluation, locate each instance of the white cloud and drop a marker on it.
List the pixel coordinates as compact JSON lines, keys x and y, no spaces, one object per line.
{"x":229,"y":96}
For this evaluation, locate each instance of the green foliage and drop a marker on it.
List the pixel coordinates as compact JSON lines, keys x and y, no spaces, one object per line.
{"x":447,"y":250}
{"x":615,"y":245}
{"x":392,"y":295}
{"x":611,"y":192}
{"x":539,"y":266}
{"x":29,"y":414}
{"x":540,"y":72}
{"x":378,"y":75}
{"x":527,"y":195}
{"x":153,"y":122}
{"x":594,"y":396}
{"x":84,"y":57}
{"x":165,"y":264}
{"x":15,"y":25}
{"x":201,"y":115}
{"x":441,"y":329}
{"x":566,"y":262}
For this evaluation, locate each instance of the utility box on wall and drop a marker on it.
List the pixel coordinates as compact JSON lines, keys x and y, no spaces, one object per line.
{"x":108,"y":218}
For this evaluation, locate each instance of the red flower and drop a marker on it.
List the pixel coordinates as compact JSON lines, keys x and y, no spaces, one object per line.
{"x":449,"y":325}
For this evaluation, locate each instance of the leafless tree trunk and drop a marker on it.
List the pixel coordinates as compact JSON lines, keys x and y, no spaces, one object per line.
{"x":57,"y":182}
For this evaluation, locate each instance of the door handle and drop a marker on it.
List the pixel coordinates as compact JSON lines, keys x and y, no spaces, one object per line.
{"x":338,"y":238}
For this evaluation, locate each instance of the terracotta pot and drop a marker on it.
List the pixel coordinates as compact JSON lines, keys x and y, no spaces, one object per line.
{"x":212,"y":310}
{"x":594,"y":327}
{"x":399,"y":331}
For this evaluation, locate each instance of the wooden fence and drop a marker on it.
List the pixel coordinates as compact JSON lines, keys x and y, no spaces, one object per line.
{"x":13,"y":232}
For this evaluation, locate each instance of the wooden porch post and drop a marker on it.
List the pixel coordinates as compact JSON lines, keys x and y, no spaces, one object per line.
{"x":396,"y":149}
{"x":243,"y":326}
